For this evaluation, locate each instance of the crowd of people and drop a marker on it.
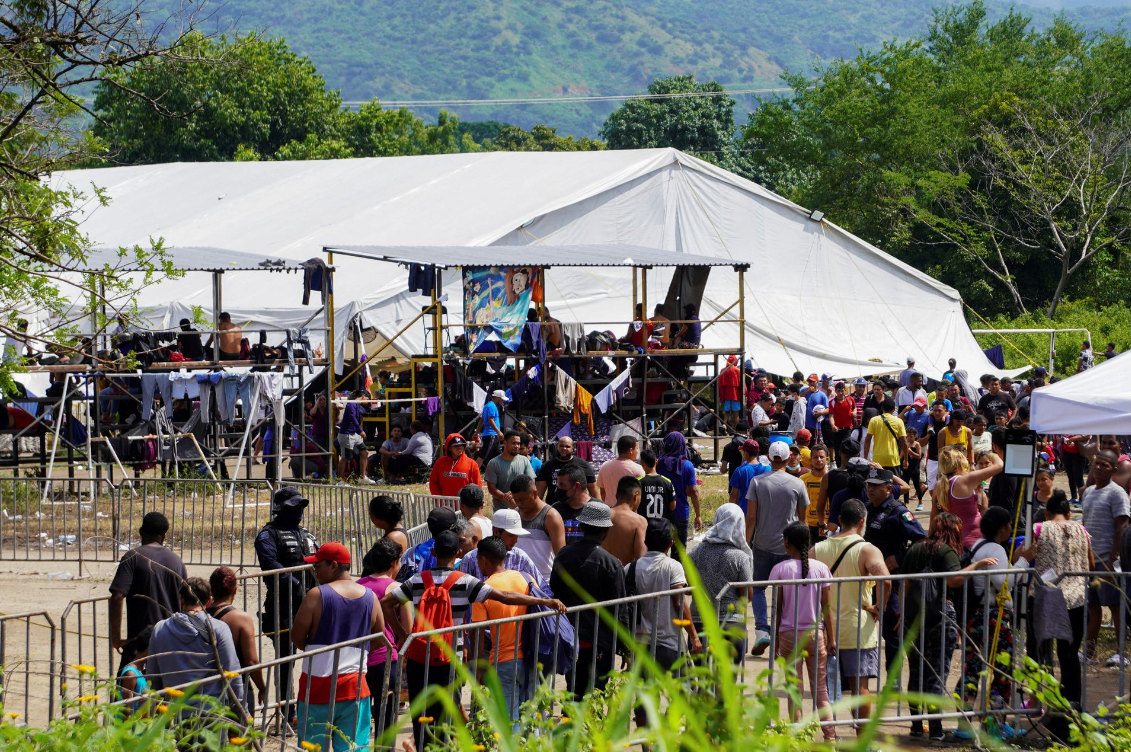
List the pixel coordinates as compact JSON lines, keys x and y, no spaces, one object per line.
{"x":820,"y":479}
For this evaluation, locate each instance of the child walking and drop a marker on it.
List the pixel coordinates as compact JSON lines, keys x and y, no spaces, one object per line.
{"x":805,"y":630}
{"x":911,"y":472}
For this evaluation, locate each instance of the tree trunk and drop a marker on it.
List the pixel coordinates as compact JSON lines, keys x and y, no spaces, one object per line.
{"x":1063,"y":283}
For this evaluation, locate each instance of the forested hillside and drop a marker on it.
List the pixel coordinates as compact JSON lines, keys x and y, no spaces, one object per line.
{"x":478,"y":49}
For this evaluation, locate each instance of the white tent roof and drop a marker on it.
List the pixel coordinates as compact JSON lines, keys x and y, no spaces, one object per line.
{"x":818,"y":299}
{"x":1091,"y":402}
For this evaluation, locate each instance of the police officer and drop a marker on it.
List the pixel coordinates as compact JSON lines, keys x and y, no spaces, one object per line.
{"x":282,"y":543}
{"x":892,"y":529}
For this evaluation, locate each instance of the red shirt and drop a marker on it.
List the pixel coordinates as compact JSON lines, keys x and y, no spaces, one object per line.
{"x":843,"y":412}
{"x":729,"y":382}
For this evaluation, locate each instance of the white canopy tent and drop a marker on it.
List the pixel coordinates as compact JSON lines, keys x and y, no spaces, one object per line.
{"x":1096,"y":401}
{"x":818,"y":299}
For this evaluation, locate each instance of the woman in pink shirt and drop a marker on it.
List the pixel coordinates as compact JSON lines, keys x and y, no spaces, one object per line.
{"x":960,"y":495}
{"x":379,"y":572}
{"x":804,"y":619}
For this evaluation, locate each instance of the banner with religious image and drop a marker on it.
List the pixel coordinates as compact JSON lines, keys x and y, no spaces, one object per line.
{"x":495,"y":303}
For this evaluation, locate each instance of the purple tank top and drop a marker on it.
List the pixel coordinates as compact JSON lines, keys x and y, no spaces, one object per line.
{"x":343,"y":618}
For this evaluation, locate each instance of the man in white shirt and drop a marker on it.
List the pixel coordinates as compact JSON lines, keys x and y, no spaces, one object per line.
{"x":905,"y":396}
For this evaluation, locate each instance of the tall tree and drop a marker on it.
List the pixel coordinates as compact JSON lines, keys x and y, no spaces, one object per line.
{"x":249,"y":94}
{"x":683,"y":114}
{"x":909,"y":146}
{"x":251,"y":99}
{"x":52,"y":49}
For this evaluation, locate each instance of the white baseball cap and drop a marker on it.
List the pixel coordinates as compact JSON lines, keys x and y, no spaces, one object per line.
{"x":500,"y":394}
{"x":509,"y":521}
{"x":779,"y":451}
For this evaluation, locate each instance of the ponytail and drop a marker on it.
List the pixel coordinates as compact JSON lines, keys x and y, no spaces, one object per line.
{"x":805,"y":563}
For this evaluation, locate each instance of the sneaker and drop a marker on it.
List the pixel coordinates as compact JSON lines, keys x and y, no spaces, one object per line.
{"x":1085,"y":661}
{"x":367,"y":481}
{"x":937,"y":736}
{"x":761,"y":642}
{"x":963,"y":735}
{"x":919,"y":508}
{"x":1117,"y":661}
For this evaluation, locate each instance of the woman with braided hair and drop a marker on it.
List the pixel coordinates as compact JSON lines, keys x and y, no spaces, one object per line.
{"x":805,"y":631}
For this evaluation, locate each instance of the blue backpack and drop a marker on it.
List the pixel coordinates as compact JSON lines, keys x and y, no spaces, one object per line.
{"x":554,"y":635}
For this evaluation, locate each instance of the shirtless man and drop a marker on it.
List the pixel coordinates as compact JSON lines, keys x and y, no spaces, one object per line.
{"x":626,"y":537}
{"x":1122,"y":477}
{"x":230,"y":336}
{"x":551,"y":330}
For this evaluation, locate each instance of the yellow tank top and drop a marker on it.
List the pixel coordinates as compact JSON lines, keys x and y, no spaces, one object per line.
{"x":857,"y":629}
{"x":949,"y":439}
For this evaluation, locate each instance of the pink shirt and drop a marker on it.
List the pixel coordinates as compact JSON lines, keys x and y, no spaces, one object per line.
{"x":966,"y":509}
{"x":379,"y":585}
{"x":800,"y":604}
{"x":610,"y":474}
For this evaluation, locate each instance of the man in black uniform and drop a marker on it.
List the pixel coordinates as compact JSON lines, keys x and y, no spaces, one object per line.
{"x":892,"y":529}
{"x":283,"y":543}
{"x":732,"y":453}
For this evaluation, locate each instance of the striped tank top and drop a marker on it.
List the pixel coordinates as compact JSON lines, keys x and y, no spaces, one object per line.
{"x":342,"y":619}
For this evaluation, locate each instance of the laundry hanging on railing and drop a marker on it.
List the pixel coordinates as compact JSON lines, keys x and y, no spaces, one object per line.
{"x":583,"y":405}
{"x":565,"y":390}
{"x":613,"y":391}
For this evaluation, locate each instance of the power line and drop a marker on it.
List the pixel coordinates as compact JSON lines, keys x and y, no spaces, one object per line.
{"x":561,"y":100}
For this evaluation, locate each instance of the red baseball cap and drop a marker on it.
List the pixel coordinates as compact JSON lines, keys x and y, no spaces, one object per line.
{"x":812,"y":377}
{"x":334,"y":552}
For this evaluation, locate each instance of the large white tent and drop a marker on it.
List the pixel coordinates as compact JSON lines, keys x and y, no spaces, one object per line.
{"x":1096,"y":401}
{"x":818,"y":299}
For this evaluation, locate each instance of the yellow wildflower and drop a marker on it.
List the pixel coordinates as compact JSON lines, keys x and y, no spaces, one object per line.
{"x":479,"y":748}
{"x":88,"y":698}
{"x":13,"y":716}
{"x":425,"y":719}
{"x":82,"y":668}
{"x":162,"y":708}
{"x":496,"y":735}
{"x":230,"y":674}
{"x":565,"y":719}
{"x":174,"y":692}
{"x":681,"y":622}
{"x":311,"y":746}
{"x":237,"y":741}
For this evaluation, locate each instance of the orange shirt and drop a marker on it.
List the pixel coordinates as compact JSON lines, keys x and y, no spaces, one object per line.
{"x":505,"y":640}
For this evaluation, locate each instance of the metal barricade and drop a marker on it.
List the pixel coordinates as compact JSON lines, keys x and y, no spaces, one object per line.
{"x":27,"y":686}
{"x":86,"y":655}
{"x":66,"y":520}
{"x":953,"y":650}
{"x":204,"y":527}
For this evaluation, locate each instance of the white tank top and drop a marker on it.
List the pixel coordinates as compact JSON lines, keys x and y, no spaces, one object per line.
{"x":537,"y":544}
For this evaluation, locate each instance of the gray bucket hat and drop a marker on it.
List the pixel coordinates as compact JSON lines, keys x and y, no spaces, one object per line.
{"x":595,"y":514}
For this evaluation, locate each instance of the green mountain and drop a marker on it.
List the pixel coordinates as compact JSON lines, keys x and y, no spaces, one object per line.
{"x":489,"y":49}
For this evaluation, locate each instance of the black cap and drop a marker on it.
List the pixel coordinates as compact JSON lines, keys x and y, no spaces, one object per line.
{"x":441,"y":519}
{"x":879,"y":476}
{"x":447,"y":545}
{"x":959,"y":414}
{"x":850,"y":446}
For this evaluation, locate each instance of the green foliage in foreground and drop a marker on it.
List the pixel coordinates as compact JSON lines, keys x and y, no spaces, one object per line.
{"x":1111,"y":323}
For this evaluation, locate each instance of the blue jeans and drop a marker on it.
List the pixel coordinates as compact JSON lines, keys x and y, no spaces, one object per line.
{"x":512,"y":676}
{"x":764,"y":561}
